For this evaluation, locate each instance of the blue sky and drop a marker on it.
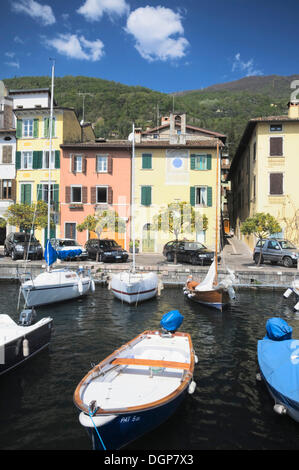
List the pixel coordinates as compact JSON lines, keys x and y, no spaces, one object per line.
{"x":163,"y":45}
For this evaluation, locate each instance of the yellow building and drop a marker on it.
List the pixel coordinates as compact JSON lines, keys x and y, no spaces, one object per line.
{"x":176,"y":163}
{"x":32,"y":112}
{"x":264,"y":173}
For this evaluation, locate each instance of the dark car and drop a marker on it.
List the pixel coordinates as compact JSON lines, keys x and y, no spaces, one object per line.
{"x":188,"y":252}
{"x":21,"y":245}
{"x":106,"y":250}
{"x":276,"y":250}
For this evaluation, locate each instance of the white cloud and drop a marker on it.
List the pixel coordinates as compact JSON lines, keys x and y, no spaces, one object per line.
{"x":153,"y":29}
{"x":93,"y":10}
{"x":18,"y":40}
{"x":13,"y":64}
{"x":76,"y":47}
{"x":10,"y":54}
{"x":34,"y":9}
{"x":247,"y":67}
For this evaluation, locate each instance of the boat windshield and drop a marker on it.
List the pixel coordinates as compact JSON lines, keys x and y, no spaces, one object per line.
{"x":24,"y":237}
{"x":286,"y":245}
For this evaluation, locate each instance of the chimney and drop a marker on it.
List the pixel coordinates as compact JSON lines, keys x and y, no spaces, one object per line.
{"x":293,"y":112}
{"x":137,"y":136}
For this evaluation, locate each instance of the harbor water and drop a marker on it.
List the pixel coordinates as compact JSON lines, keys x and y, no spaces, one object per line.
{"x":229,"y":409}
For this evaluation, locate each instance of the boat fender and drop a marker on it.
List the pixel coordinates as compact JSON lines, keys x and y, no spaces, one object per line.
{"x":280,"y":409}
{"x":25,"y":347}
{"x":192,"y":387}
{"x":231,"y":293}
{"x":287,"y":293}
{"x":258,"y":377}
{"x":92,"y":285}
{"x":80,"y":287}
{"x":195,"y":359}
{"x":296,"y":307}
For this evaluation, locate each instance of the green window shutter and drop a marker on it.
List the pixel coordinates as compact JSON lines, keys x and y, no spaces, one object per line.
{"x":39,"y":192}
{"x":146,"y":161}
{"x":146,"y":195}
{"x":56,"y":192}
{"x":46,"y":127}
{"x":18,"y":160}
{"x":37,"y":159}
{"x":192,"y":195}
{"x":26,"y":193}
{"x":192,"y":162}
{"x":209,"y":162}
{"x":19,"y":128}
{"x":57,"y":158}
{"x":35,"y":128}
{"x":209,"y":196}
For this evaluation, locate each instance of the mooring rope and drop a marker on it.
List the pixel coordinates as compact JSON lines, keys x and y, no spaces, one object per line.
{"x":101,"y":440}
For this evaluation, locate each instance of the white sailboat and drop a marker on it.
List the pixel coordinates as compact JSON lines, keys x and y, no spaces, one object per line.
{"x":131,"y":286}
{"x":55,"y":285}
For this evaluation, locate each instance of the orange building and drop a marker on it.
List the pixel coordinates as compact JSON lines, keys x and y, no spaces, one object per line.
{"x":93,"y":177}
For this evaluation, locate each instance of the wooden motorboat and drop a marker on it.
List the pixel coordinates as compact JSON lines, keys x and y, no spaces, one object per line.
{"x":136,"y":388}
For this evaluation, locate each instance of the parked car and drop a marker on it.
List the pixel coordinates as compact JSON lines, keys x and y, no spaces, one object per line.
{"x":69,"y":244}
{"x":21,"y":245}
{"x":189,"y":252}
{"x":276,"y":250}
{"x":107,"y":250}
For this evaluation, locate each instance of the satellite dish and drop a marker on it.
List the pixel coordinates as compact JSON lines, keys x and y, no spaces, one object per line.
{"x":3,"y":90}
{"x":131,"y":137}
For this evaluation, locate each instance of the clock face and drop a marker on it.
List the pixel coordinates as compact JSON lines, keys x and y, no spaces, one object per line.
{"x":177,"y":162}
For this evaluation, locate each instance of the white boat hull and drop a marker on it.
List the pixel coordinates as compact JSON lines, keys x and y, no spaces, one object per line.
{"x":45,"y":289}
{"x":134,"y":287}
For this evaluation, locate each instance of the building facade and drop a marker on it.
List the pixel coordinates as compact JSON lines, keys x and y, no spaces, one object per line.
{"x":7,"y":158}
{"x":95,"y":176}
{"x":176,"y":163}
{"x":35,"y":167}
{"x":263,"y":173}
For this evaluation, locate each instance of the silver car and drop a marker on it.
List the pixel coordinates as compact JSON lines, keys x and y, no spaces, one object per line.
{"x":276,"y":250}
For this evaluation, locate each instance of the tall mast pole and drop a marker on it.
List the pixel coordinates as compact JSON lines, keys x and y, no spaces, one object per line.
{"x":133,"y":197}
{"x":217,"y":221}
{"x":50,"y":152}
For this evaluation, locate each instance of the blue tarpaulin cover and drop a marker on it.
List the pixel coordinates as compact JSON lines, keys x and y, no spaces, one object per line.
{"x":50,"y":254}
{"x":172,"y":320}
{"x":278,"y":329}
{"x":279,"y":363}
{"x":63,"y":254}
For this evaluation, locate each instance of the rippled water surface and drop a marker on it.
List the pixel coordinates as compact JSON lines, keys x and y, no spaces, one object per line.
{"x":229,"y":409}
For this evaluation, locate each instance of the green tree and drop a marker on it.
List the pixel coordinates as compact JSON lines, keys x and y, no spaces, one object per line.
{"x":180,"y":218}
{"x":27,"y":216}
{"x":261,"y":225}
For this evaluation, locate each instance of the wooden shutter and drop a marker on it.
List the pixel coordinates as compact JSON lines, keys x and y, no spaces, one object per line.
{"x":13,"y":189}
{"x":276,"y":146}
{"x":19,"y":128}
{"x":67,"y":194}
{"x":56,"y":195}
{"x":209,"y":196}
{"x":276,"y":183}
{"x":57,"y":158}
{"x":110,"y":195}
{"x":93,"y":195}
{"x":146,"y":161}
{"x":37,"y":159}
{"x":110,"y":164}
{"x":18,"y":160}
{"x":209,"y":162}
{"x":46,"y":127}
{"x":84,"y":165}
{"x":7,"y":154}
{"x":192,"y":196}
{"x":192,"y":162}
{"x":146,"y":195}
{"x":73,"y":157}
{"x":35,"y":127}
{"x":84,"y":194}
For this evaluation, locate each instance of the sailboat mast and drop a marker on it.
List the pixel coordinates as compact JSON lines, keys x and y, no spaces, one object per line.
{"x":50,"y":151}
{"x":133,"y":197}
{"x":217,"y":219}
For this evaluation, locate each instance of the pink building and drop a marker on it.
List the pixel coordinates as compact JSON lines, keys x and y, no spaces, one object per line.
{"x":95,"y":176}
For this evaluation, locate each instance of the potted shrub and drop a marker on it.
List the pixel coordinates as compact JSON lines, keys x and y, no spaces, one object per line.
{"x":136,"y":246}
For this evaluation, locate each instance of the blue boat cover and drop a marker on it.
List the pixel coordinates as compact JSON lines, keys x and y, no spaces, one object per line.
{"x":63,"y":254}
{"x":171,"y":321}
{"x":50,"y":254}
{"x":279,"y":364}
{"x":278,"y":329}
